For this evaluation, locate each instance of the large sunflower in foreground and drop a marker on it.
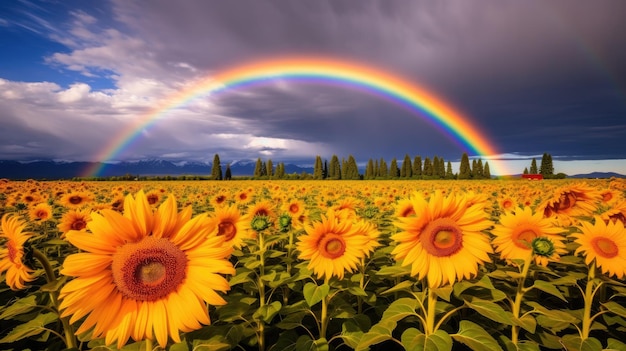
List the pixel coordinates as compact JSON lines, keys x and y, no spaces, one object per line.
{"x":443,"y":242}
{"x":333,"y":245}
{"x":144,"y":274}
{"x":12,"y":254}
{"x":605,"y":243}
{"x":517,"y":230}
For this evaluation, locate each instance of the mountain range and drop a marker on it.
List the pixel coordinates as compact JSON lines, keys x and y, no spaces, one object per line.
{"x":48,"y":169}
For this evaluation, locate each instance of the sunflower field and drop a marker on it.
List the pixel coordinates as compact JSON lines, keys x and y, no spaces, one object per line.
{"x":313,"y":265}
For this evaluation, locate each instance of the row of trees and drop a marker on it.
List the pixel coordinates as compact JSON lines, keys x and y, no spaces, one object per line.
{"x":375,"y":169}
{"x":546,"y":169}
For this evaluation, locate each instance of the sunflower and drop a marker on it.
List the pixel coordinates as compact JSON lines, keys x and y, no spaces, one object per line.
{"x":293,"y":207}
{"x":404,"y":208}
{"x":228,"y":224}
{"x":571,"y":200}
{"x":76,"y":199}
{"x":154,"y":197}
{"x":616,"y":213}
{"x":40,"y":212}
{"x":332,"y":246}
{"x":517,"y":230}
{"x":443,"y":241}
{"x":262,"y":208}
{"x":144,"y":274}
{"x":244,"y":196}
{"x":74,"y":220}
{"x":12,"y":254}
{"x":604,"y":243}
{"x":220,"y":199}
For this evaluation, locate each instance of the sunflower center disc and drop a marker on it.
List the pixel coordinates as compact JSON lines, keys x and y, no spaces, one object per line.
{"x":442,"y":237}
{"x":75,"y":200}
{"x":332,"y":246}
{"x":605,"y":247}
{"x":293,"y":208}
{"x":78,"y":224}
{"x":149,"y":269}
{"x":227,"y":229}
{"x":12,"y":253}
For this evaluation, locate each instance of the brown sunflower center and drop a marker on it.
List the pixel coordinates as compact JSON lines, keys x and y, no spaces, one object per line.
{"x":409,"y":211}
{"x":294,"y":208}
{"x":78,"y":224}
{"x":605,"y":247}
{"x":332,"y":246}
{"x":227,"y":229}
{"x":220,"y":199}
{"x":442,"y":237}
{"x":75,"y":200}
{"x":152,"y":199}
{"x":618,"y":217}
{"x":41,"y":214}
{"x":507,"y":204}
{"x":606,"y":197}
{"x":13,"y":253}
{"x":261,"y":212}
{"x":523,"y":238}
{"x":149,"y":269}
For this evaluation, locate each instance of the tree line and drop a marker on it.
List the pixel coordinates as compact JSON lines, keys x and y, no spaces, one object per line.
{"x":418,"y":168}
{"x":546,"y":169}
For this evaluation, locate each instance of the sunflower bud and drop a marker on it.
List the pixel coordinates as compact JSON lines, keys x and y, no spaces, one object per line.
{"x":542,"y":246}
{"x":284,"y":222}
{"x":260,"y":223}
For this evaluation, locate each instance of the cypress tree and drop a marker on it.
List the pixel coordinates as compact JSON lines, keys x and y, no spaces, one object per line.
{"x":334,"y":170}
{"x":428,"y":168}
{"x":318,"y":170}
{"x":216,"y":171}
{"x":441,"y":168}
{"x":449,"y":173}
{"x":417,"y":166}
{"x":376,"y":169}
{"x":352,"y":169}
{"x":479,"y":169}
{"x":464,"y":168}
{"x":533,"y":167}
{"x":407,"y":168}
{"x":486,"y":171}
{"x":258,"y":168}
{"x":525,"y":170}
{"x":228,"y":175}
{"x":369,"y":169}
{"x":547,"y":170}
{"x":269,"y":168}
{"x":394,"y":171}
{"x":325,"y":171}
{"x":384,"y":170}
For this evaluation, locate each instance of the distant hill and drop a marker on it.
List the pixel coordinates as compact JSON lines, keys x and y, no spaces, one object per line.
{"x":598,"y":175}
{"x":67,"y":170}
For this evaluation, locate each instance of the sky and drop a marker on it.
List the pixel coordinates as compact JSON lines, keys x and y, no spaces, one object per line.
{"x":533,"y":76}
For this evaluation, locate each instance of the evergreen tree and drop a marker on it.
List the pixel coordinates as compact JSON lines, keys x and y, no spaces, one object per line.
{"x":473,"y":169}
{"x":394,"y":171}
{"x":525,"y":170}
{"x":449,"y":173}
{"x":325,"y":171}
{"x":351,"y":169}
{"x":428,"y":168}
{"x":376,"y":169}
{"x":228,"y":175}
{"x":384,"y":170}
{"x":417,"y":166}
{"x":486,"y":171}
{"x":269,"y":168}
{"x":263,"y":169}
{"x":318,"y":169}
{"x":369,"y":169}
{"x":546,"y":169}
{"x":334,"y":170}
{"x":216,"y":171}
{"x":407,"y":168}
{"x":464,"y":168}
{"x":533,"y":167}
{"x":478,"y":173}
{"x":258,"y":168}
{"x":441,"y":168}
{"x":280,"y":171}
{"x":343,"y":168}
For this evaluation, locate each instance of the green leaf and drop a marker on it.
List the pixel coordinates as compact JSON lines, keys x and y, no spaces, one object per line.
{"x":591,"y":344}
{"x":55,"y":285}
{"x":475,"y":337}
{"x":394,"y":271}
{"x":382,"y":330}
{"x":33,"y":327}
{"x":615,"y":308}
{"x":20,"y":306}
{"x":492,"y":311}
{"x":314,"y":293}
{"x":215,"y":343}
{"x":402,"y":286}
{"x":269,"y":277}
{"x":527,"y":322}
{"x":548,"y":288}
{"x":181,"y":346}
{"x":444,"y":293}
{"x":292,"y":321}
{"x":233,"y":311}
{"x":267,"y":312}
{"x":240,"y":277}
{"x":351,"y":333}
{"x":463,"y":285}
{"x":416,"y":341}
{"x":357,"y":291}
{"x":305,"y":343}
{"x":614,"y":344}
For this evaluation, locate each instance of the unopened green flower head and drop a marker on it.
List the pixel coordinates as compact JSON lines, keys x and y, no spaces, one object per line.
{"x":542,"y":246}
{"x":284,"y":222}
{"x":370,"y":212}
{"x":260,"y":223}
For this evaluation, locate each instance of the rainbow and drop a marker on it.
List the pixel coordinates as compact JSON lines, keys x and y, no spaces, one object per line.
{"x":419,"y":100}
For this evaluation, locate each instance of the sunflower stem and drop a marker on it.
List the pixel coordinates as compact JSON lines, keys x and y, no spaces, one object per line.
{"x":149,"y":345}
{"x":68,"y":330}
{"x":362,"y":286}
{"x":588,"y":300}
{"x":431,"y":312}
{"x":324,"y":317}
{"x":261,"y":284}
{"x":517,"y":305}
